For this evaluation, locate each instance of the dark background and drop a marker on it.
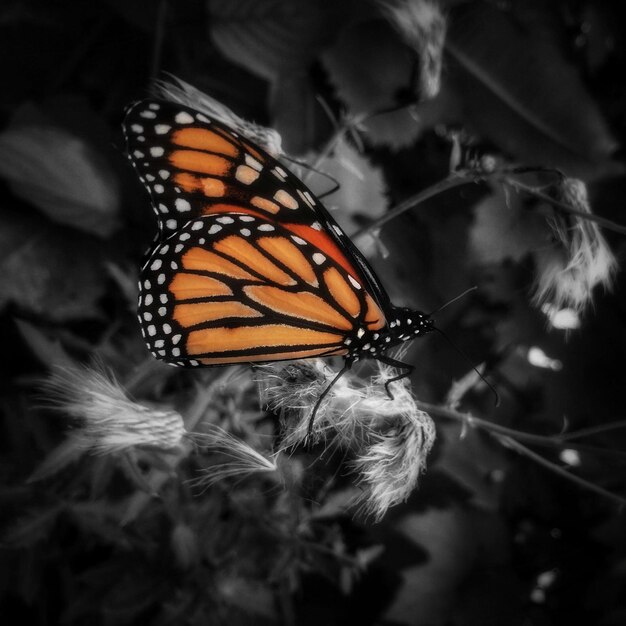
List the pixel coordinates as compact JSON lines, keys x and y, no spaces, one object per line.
{"x":490,"y":536}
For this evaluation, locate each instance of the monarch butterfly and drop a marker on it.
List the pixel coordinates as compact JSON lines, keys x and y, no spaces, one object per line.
{"x":248,"y":266}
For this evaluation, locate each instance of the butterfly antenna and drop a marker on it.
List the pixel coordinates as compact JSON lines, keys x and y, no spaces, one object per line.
{"x":469,"y":362}
{"x":449,"y":302}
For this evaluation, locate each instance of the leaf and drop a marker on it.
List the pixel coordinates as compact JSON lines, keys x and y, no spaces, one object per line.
{"x":33,"y":527}
{"x":48,"y":351}
{"x":62,"y":175}
{"x":47,"y":271}
{"x":475,"y":462}
{"x":296,"y":114}
{"x":369,"y":66}
{"x":361,"y":194}
{"x":66,"y":453}
{"x":520,"y":91}
{"x":503,"y":229}
{"x":429,"y":589}
{"x":249,"y":596}
{"x":275,"y":36}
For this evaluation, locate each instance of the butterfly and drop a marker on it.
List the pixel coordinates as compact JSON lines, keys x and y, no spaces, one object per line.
{"x":248,"y":266}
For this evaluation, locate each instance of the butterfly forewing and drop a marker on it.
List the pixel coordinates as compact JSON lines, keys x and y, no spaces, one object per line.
{"x":234,"y":287}
{"x":193,"y":165}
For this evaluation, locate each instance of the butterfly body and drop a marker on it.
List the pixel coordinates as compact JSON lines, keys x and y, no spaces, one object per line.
{"x":248,"y":266}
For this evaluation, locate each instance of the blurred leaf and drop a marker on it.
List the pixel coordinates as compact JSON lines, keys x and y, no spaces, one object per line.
{"x":63,"y":455}
{"x":503,"y":229}
{"x":429,"y":589}
{"x":47,"y":271}
{"x":296,"y":114}
{"x":369,"y":67}
{"x":275,"y":37}
{"x":520,"y":91}
{"x":184,"y":543}
{"x":31,"y":528}
{"x":49,"y":351}
{"x":61,"y":175}
{"x":99,"y":519}
{"x":361,"y":194}
{"x":249,"y":596}
{"x":475,"y":462}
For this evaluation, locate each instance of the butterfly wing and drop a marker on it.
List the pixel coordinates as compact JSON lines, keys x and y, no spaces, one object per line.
{"x":234,"y":287}
{"x":192,"y":166}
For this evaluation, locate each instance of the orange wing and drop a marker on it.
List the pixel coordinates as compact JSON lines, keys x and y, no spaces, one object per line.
{"x":234,"y":287}
{"x":193,"y":165}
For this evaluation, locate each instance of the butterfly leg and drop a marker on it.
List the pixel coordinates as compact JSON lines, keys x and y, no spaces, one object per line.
{"x":399,"y":365}
{"x":342,"y":371}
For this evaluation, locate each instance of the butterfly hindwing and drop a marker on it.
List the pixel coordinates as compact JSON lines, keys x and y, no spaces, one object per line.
{"x":233,"y":287}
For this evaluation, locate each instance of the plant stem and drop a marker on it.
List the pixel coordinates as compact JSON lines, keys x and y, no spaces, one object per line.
{"x":450,"y":182}
{"x":553,"y":467}
{"x":511,"y":438}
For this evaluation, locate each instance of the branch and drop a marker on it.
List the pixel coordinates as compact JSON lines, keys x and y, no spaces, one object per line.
{"x":511,"y":438}
{"x":457,"y":179}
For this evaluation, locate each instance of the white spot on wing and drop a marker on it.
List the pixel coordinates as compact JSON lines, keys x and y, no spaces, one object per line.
{"x":183,"y":118}
{"x":162,"y":129}
{"x":253,"y":163}
{"x":355,"y":284}
{"x":319,"y":258}
{"x":182,"y":205}
{"x":157,"y":151}
{"x":286,"y":199}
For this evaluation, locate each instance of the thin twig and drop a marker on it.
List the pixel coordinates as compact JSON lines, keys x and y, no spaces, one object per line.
{"x":458,"y":179}
{"x":511,"y":438}
{"x":592,"y":217}
{"x":593,"y":430}
{"x":444,"y":185}
{"x":520,"y":435}
{"x":553,"y":467}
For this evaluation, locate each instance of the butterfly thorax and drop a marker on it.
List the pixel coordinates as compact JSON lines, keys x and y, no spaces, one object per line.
{"x":403,"y":324}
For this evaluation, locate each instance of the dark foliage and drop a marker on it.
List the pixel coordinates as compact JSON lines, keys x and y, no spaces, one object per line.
{"x":492,"y":535}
